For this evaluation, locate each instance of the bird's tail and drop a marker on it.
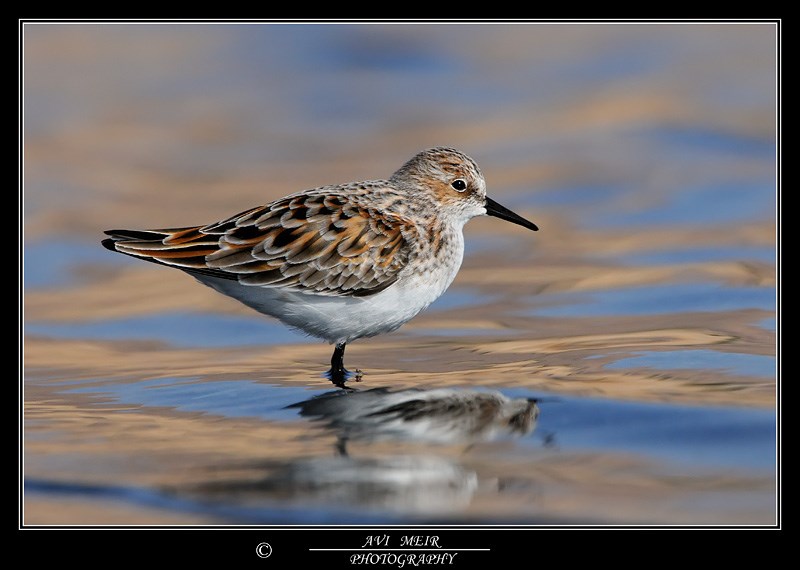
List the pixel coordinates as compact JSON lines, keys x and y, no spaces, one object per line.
{"x":185,"y":248}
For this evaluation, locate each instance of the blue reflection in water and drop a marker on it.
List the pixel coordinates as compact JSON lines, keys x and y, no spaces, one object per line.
{"x":705,"y":140}
{"x":582,"y":195}
{"x":771,"y":324}
{"x":701,"y":254}
{"x":178,"y":329}
{"x":658,"y":299}
{"x":229,"y":398}
{"x":688,"y":435}
{"x":54,"y":262}
{"x":712,"y":204}
{"x":719,"y":201}
{"x":746,"y":364}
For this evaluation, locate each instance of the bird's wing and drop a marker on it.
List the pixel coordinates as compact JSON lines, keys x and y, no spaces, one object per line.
{"x":316,"y":243}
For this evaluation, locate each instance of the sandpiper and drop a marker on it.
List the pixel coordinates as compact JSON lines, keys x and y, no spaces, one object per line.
{"x":338,"y":262}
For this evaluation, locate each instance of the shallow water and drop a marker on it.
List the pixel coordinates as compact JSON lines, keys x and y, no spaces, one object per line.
{"x":641,"y":319}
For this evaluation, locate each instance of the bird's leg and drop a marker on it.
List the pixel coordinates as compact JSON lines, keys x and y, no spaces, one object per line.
{"x":338,"y":374}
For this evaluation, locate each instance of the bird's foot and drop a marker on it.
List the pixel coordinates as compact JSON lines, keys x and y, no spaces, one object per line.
{"x":338,"y":374}
{"x":341,"y":375}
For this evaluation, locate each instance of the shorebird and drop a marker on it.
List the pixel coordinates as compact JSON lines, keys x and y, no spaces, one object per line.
{"x":338,"y":262}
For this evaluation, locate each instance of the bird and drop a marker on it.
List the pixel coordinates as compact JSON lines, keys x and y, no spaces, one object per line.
{"x":337,"y":262}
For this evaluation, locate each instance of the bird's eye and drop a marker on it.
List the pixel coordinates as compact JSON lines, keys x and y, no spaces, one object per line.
{"x":459,"y":184}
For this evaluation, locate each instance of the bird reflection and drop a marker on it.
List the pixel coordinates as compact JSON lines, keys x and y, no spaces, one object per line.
{"x":444,"y":415}
{"x":422,"y":483}
{"x":403,"y":483}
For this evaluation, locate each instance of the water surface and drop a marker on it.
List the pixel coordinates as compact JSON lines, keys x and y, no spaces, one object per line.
{"x":641,"y":320}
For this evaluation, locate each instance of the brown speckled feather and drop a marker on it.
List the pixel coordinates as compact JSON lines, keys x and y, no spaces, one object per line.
{"x":315,"y":242}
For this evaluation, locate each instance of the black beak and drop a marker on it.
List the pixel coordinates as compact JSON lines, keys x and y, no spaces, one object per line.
{"x":498,"y":211}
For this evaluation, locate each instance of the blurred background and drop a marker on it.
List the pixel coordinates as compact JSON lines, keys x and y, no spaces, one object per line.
{"x":641,"y":316}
